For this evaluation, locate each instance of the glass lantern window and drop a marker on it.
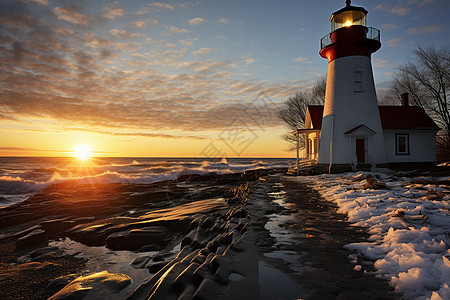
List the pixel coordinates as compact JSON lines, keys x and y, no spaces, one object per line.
{"x":348,"y":18}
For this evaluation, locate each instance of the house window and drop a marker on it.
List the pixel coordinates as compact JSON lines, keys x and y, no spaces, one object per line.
{"x":402,"y":144}
{"x":357,"y":81}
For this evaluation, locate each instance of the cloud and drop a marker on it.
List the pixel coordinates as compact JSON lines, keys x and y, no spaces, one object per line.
{"x":397,"y":9}
{"x":249,"y":61}
{"x":425,"y":29}
{"x":188,"y":42}
{"x":71,"y":14}
{"x":154,"y":6}
{"x":389,"y":26}
{"x":394,"y":42}
{"x":300,"y":59}
{"x":112,"y":12}
{"x":140,"y":134}
{"x":202,"y":51}
{"x":58,"y":76}
{"x":224,"y":21}
{"x":197,"y":21}
{"x":174,"y":29}
{"x":123,"y":34}
{"x":138,"y":24}
{"x":382,"y":63}
{"x":425,"y":2}
{"x":404,"y":7}
{"x":20,"y":149}
{"x":44,"y":2}
{"x":160,"y":5}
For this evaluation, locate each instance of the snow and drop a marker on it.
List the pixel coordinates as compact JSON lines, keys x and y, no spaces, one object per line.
{"x":409,"y":227}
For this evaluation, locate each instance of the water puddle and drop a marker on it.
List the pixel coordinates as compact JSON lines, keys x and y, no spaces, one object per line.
{"x":102,"y":258}
{"x":293,"y":258}
{"x":275,"y":284}
{"x":284,"y":229}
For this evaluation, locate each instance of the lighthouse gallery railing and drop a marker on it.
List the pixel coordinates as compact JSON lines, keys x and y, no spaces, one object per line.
{"x":372,"y":33}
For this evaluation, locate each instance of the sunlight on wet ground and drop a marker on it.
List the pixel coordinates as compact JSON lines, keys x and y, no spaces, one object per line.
{"x":102,"y":258}
{"x":285,"y":230}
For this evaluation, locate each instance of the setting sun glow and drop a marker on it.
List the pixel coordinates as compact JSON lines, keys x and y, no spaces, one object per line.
{"x":82,"y":152}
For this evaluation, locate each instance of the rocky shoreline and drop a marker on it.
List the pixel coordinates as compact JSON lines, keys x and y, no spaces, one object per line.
{"x":199,"y":237}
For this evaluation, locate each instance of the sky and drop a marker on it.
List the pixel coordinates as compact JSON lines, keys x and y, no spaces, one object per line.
{"x":177,"y":78}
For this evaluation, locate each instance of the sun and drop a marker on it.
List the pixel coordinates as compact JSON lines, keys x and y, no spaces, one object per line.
{"x":82,"y":152}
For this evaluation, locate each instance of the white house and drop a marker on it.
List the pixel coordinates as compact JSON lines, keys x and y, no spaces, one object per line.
{"x":409,"y":137}
{"x":351,"y":131}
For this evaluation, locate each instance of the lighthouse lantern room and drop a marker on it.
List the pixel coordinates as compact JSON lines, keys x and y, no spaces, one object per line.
{"x":348,"y":16}
{"x":351,"y":135}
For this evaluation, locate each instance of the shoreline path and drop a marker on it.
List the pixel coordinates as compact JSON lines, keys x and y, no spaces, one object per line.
{"x":292,"y":248}
{"x":308,"y":245}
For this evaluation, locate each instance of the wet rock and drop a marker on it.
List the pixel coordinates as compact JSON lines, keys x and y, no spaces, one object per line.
{"x":57,"y":225}
{"x":202,"y":272}
{"x":158,"y":258}
{"x":139,"y":262}
{"x":156,"y":267}
{"x":208,"y":289}
{"x":59,"y":283}
{"x":94,"y":286}
{"x":43,"y":251}
{"x":206,"y":222}
{"x":200,"y":259}
{"x":16,"y":218}
{"x":185,"y":278}
{"x":136,"y":238}
{"x":36,"y":237}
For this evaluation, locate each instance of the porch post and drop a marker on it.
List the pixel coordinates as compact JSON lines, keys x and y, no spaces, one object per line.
{"x":298,"y":147}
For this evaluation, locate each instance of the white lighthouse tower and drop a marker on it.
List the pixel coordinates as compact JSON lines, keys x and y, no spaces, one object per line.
{"x":351,"y":135}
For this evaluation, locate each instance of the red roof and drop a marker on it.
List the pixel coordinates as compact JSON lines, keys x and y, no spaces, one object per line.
{"x":405,"y":117}
{"x":316,"y":112}
{"x":392,"y":117}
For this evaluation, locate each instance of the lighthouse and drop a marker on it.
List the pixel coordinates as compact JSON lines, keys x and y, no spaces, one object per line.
{"x":351,"y":136}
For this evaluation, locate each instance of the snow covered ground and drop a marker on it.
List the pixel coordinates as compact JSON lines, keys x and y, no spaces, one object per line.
{"x":409,"y":223}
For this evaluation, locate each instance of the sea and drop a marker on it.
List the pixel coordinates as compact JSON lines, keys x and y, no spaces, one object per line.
{"x":22,"y":177}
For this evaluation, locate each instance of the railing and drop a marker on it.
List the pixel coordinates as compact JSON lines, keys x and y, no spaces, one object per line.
{"x":372,"y":33}
{"x":304,"y":165}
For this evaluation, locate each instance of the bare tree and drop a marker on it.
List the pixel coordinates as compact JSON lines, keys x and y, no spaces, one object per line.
{"x":293,"y":110}
{"x":426,"y":77}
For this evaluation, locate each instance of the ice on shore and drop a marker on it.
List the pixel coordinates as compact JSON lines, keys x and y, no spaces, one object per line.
{"x":409,"y":225}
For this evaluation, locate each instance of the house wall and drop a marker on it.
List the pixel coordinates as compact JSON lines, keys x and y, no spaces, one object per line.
{"x":422,"y":146}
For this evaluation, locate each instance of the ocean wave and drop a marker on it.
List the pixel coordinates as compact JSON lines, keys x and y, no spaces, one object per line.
{"x":16,"y":185}
{"x":22,"y":181}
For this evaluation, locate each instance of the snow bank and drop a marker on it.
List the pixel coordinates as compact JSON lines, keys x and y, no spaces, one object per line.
{"x":409,"y":225}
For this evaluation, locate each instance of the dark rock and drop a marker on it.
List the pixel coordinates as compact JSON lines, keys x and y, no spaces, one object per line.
{"x":149,"y":248}
{"x":200,"y":259}
{"x":158,"y":258}
{"x":36,"y":237}
{"x":202,"y":272}
{"x":59,"y":283}
{"x":43,"y":251}
{"x":140,"y":261}
{"x":208,"y":289}
{"x":155,"y":267}
{"x":136,"y":238}
{"x":185,"y":277}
